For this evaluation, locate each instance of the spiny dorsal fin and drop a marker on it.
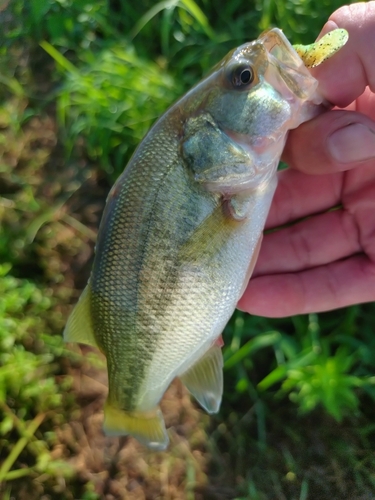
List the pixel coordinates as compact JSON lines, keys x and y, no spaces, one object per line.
{"x":205,"y":379}
{"x":79,"y":326}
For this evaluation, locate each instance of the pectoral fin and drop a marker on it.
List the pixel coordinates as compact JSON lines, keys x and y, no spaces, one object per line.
{"x":79,"y":326}
{"x":209,"y":237}
{"x":205,"y":379}
{"x":148,"y":428}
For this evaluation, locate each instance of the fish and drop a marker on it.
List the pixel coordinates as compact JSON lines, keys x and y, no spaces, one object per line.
{"x":181,"y":232}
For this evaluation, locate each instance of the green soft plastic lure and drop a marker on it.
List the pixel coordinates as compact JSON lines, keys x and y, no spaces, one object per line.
{"x":316,"y":53}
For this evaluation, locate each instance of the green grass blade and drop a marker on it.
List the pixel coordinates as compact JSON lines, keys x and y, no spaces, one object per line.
{"x":280,"y":372}
{"x":252,"y":346}
{"x":199,"y":16}
{"x":59,"y":58}
{"x":13,"y":85}
{"x":17,"y":474}
{"x":146,"y":18}
{"x":20,"y":445}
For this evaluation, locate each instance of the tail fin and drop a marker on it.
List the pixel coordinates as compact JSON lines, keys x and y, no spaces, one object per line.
{"x":148,"y":428}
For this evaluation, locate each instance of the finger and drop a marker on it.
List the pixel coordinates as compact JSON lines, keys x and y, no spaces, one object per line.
{"x":366,"y":103}
{"x":339,"y":284}
{"x":298,"y":195}
{"x":313,"y":242}
{"x":358,"y":197}
{"x":331,"y":142}
{"x":345,"y":76}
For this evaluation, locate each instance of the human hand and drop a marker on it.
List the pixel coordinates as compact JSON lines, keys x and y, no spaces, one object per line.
{"x":327,"y":259}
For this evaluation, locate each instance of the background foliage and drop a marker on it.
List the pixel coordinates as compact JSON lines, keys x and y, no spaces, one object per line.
{"x":80,"y":84}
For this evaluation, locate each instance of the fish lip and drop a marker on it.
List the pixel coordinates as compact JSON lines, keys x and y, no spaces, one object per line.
{"x":258,"y":181}
{"x":261,"y":144}
{"x":257,"y":144}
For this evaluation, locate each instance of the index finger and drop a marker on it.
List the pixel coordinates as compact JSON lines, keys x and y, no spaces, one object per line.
{"x":299,"y":195}
{"x":346,"y":75}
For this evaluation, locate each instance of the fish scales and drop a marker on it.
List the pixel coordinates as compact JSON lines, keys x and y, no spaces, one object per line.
{"x":182,"y":229}
{"x":129,"y":215}
{"x":156,"y":294}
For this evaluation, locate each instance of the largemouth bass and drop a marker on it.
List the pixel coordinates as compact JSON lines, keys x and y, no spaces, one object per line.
{"x":182,"y":229}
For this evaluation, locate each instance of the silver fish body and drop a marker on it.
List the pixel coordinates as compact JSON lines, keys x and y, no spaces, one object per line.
{"x":181,"y":231}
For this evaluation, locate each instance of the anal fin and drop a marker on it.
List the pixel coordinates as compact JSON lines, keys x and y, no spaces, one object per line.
{"x":147,"y":427}
{"x":205,"y":379}
{"x":79,"y":326}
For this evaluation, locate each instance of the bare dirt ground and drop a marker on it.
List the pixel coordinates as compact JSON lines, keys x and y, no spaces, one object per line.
{"x":121,"y":467}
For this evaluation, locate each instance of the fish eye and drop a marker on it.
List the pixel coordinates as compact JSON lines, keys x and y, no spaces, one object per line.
{"x":241,"y":76}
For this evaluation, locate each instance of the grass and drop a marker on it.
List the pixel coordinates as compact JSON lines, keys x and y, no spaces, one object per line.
{"x":80,"y":84}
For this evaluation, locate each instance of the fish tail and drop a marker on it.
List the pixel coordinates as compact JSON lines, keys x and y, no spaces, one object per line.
{"x":147,"y":427}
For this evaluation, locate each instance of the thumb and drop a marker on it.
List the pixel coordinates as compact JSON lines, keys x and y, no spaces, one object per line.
{"x":344,"y":77}
{"x":332,"y":142}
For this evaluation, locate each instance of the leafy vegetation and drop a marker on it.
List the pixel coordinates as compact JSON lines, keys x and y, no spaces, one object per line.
{"x":80,"y":83}
{"x":29,"y":392}
{"x":112,"y":101}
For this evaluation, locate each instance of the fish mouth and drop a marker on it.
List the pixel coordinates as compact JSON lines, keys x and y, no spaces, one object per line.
{"x":257,"y":146}
{"x":258,"y":179}
{"x":263,"y":153}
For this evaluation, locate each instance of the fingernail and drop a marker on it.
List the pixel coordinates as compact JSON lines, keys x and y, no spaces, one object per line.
{"x":329,"y":26}
{"x":353,"y":143}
